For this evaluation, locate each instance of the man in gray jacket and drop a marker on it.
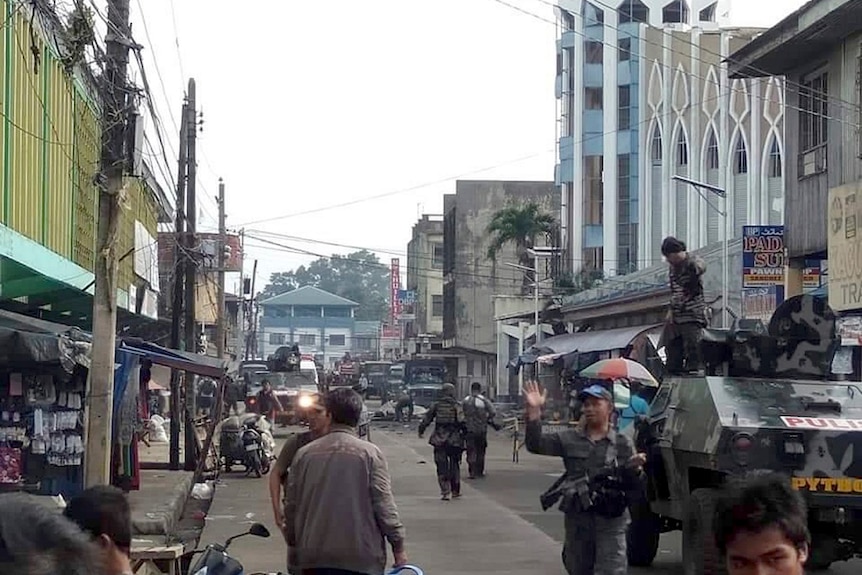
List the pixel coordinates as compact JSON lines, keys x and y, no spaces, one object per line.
{"x":339,"y":507}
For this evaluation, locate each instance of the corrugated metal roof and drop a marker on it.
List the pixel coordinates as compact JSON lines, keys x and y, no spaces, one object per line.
{"x":309,"y":295}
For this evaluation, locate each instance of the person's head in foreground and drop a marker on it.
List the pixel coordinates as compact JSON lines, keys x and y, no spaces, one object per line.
{"x":761,"y":527}
{"x":344,"y":406}
{"x":103,"y":513}
{"x":37,"y":540}
{"x":673,"y":250}
{"x":476,"y":388}
{"x":597,"y":404}
{"x":448,"y":390}
{"x":318,"y":418}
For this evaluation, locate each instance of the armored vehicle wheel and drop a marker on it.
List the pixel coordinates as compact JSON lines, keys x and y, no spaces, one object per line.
{"x":700,"y":555}
{"x":642,"y":536}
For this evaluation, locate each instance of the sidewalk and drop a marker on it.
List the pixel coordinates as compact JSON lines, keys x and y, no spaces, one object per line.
{"x":467,"y":536}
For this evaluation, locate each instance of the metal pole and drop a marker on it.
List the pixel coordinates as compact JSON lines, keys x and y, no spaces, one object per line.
{"x":536,"y":299}
{"x":725,"y":316}
{"x":221,"y":320}
{"x":191,"y":275}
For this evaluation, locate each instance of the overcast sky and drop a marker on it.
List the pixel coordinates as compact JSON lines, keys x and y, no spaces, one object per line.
{"x":313,"y":106}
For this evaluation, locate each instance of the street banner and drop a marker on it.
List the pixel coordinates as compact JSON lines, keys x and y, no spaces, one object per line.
{"x":763,"y":272}
{"x":394,"y":287}
{"x":844,"y":243}
{"x":812,"y":276}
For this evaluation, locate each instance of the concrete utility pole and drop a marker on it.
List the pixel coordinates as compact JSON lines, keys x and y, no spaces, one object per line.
{"x":177,"y":307}
{"x":222,"y":262}
{"x":100,"y":397}
{"x":251,"y":341}
{"x":191,"y":270}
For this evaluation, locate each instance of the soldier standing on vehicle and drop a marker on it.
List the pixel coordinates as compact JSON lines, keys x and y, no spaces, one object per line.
{"x":595,"y":538}
{"x":318,"y":426}
{"x":478,"y":414}
{"x":687,"y":315}
{"x":761,"y":526}
{"x":447,"y":439}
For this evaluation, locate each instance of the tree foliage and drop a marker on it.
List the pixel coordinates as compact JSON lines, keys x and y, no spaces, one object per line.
{"x":358,"y":276}
{"x":519,"y":224}
{"x":583,"y":280}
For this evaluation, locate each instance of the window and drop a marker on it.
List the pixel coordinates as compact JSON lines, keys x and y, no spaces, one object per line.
{"x":675,"y":13}
{"x":712,"y":152}
{"x":593,"y":52}
{"x":593,"y":197}
{"x":594,"y":258}
{"x":276,"y":339}
{"x":306,"y":311}
{"x":775,"y":170}
{"x":681,"y":149}
{"x":568,"y":19}
{"x":337,"y":339}
{"x":436,"y":306}
{"x":624,"y":47}
{"x":708,"y":13}
{"x":655,"y":147}
{"x":592,"y":15}
{"x":471,"y":366}
{"x":740,"y":157}
{"x":593,"y":98}
{"x":437,"y":256}
{"x":336,"y":311}
{"x":307,"y":339}
{"x":633,"y":11}
{"x":624,"y":103}
{"x":813,"y":112}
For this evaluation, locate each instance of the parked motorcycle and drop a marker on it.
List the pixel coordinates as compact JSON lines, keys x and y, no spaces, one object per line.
{"x":247,"y":439}
{"x":215,"y":560}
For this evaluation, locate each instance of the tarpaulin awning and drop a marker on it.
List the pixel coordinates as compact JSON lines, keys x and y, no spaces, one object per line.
{"x":26,"y":340}
{"x":589,"y":341}
{"x":192,"y":362}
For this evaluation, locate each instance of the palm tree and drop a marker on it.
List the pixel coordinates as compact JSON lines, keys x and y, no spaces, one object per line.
{"x":519,"y":224}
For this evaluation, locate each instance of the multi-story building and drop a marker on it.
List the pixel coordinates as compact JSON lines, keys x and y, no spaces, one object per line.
{"x":644,"y":95}
{"x":471,"y":280}
{"x":818,"y":49}
{"x":425,"y":279}
{"x":48,"y":196}
{"x":321,"y":323}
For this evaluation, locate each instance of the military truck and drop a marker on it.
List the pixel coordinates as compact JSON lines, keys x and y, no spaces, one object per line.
{"x":764,"y":403}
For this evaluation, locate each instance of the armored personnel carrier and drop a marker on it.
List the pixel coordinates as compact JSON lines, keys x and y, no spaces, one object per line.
{"x":765,"y":402}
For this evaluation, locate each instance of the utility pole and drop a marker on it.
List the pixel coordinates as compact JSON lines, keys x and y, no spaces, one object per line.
{"x":222,"y":262}
{"x":100,"y":398}
{"x":251,"y":341}
{"x":191,"y":270}
{"x":177,"y":307}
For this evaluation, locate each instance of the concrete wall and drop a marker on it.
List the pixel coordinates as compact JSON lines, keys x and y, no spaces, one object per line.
{"x":470,"y":278}
{"x":425,"y":274}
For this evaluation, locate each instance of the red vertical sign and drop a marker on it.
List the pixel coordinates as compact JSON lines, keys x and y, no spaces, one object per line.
{"x":394,"y":286}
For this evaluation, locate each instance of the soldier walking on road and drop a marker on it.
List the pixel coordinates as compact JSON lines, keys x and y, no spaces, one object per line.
{"x":687,"y":314}
{"x":447,"y":439}
{"x":479,"y":414}
{"x":318,"y":426}
{"x":595,"y":526}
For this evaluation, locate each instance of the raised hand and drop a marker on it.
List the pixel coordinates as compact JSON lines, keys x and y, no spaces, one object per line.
{"x":534,"y":395}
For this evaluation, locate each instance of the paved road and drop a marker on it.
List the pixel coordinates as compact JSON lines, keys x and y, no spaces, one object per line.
{"x":517,"y":486}
{"x":503,"y":508}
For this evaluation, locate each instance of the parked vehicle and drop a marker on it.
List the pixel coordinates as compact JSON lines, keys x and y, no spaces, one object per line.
{"x":377,"y":374}
{"x":424,"y":378}
{"x":247,"y":439}
{"x":214,"y":559}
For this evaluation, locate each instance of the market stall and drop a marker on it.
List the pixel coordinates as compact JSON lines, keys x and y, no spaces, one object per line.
{"x":43,"y":374}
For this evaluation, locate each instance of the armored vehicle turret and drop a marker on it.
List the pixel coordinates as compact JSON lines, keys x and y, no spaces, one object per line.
{"x":766,"y":402}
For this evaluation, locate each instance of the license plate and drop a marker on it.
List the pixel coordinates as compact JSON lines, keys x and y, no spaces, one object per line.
{"x":251,"y":447}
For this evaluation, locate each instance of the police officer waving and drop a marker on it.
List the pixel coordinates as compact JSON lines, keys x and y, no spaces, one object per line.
{"x":602,"y":469}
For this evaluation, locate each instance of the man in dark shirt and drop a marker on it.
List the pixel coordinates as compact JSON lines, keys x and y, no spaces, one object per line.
{"x":594,"y":543}
{"x":687,"y":314}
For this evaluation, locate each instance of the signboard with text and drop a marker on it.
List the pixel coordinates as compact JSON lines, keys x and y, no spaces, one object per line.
{"x":407,"y":301}
{"x":844,"y":242}
{"x":762,"y":271}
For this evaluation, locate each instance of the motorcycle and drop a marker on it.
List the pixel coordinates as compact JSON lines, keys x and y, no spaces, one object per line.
{"x":214,"y":559}
{"x":247,"y":439}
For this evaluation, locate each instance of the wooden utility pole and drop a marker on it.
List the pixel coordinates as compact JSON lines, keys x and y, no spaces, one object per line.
{"x":177,"y":307}
{"x":100,"y":397}
{"x":251,"y":344}
{"x":191,"y":246}
{"x":222,"y":262}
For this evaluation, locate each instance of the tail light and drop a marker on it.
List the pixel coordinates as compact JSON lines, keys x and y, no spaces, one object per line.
{"x":741,"y":448}
{"x":791,"y":448}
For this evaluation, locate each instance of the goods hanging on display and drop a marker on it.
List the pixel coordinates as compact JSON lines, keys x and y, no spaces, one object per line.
{"x":41,"y":429}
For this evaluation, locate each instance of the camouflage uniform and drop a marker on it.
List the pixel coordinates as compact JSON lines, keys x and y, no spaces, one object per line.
{"x":595,"y":545}
{"x":447,"y":439}
{"x":478,"y":414}
{"x":683,"y":332}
